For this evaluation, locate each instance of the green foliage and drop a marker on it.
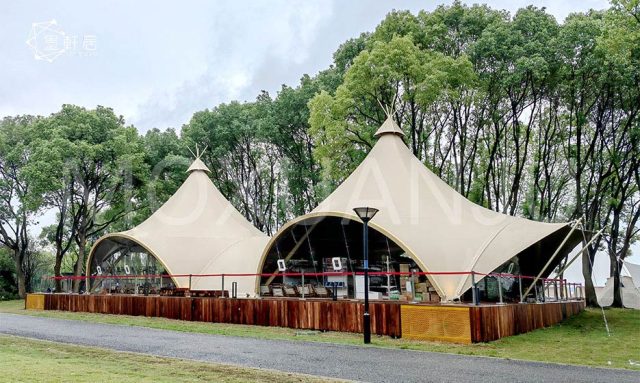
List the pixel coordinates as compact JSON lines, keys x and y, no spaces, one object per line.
{"x":90,"y":169}
{"x":8,"y":283}
{"x":166,"y":156}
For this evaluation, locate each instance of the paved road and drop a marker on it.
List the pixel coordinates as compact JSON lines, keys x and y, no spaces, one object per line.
{"x":345,"y":362}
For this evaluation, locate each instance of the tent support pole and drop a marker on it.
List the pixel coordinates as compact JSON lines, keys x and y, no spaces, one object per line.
{"x":580,"y":252}
{"x":566,"y":238}
{"x":293,"y":251}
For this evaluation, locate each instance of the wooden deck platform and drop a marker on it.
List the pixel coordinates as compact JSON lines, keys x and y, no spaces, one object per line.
{"x":453,"y":323}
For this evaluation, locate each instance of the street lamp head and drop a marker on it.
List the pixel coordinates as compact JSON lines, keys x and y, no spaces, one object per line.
{"x":365,"y":213}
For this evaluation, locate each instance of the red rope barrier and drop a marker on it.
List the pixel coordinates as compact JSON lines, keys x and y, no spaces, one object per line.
{"x":291,"y":274}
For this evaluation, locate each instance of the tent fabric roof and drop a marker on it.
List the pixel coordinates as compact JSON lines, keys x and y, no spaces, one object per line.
{"x":197,"y":164}
{"x":389,"y":126}
{"x":197,"y":231}
{"x":439,"y":228}
{"x":634,"y":272}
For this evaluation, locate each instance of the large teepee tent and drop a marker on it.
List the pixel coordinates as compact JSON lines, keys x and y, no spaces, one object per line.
{"x":197,"y":231}
{"x":436,"y":226}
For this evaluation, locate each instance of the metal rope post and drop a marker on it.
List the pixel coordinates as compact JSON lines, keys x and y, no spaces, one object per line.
{"x":520,"y":287}
{"x":474,"y":289}
{"x":413,"y":286}
{"x":569,"y":291}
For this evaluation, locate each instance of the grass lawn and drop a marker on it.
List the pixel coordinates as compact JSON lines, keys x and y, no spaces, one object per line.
{"x":26,"y":360}
{"x":580,"y":340}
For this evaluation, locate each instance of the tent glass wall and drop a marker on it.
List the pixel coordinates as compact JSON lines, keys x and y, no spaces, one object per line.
{"x":123,"y":266}
{"x":311,"y":245}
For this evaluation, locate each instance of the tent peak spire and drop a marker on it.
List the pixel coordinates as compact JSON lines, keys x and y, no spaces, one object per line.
{"x":197,"y":163}
{"x":198,"y":154}
{"x":389,"y":127}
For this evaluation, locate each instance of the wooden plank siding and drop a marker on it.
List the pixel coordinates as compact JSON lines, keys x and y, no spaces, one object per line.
{"x":494,"y":322}
{"x":487,"y":322}
{"x":323,"y":315}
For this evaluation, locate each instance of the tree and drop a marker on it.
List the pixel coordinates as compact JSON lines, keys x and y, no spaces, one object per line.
{"x":37,"y":263}
{"x":287,"y":128}
{"x":18,"y":202}
{"x":244,"y":165}
{"x":619,"y":48}
{"x":519,"y":114}
{"x":166,"y":156}
{"x":94,"y":172}
{"x":8,"y":284}
{"x":395,"y":74}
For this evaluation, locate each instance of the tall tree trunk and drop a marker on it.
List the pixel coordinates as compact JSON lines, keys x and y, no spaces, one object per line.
{"x":587,"y":271}
{"x":615,"y":273}
{"x":22,"y":286}
{"x":56,"y":270}
{"x":79,"y":266}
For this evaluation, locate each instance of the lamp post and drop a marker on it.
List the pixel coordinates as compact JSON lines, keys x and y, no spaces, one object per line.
{"x":366,"y":214}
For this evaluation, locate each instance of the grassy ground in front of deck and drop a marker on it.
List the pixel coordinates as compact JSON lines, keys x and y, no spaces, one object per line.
{"x":28,"y":360}
{"x":580,"y":340}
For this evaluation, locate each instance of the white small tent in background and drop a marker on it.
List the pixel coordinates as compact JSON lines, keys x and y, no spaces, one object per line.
{"x":634,"y":272}
{"x":629,"y":288}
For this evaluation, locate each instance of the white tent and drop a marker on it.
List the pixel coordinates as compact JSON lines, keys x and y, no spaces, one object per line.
{"x":437,"y":227}
{"x":634,"y":272}
{"x":197,"y":231}
{"x":629,"y":288}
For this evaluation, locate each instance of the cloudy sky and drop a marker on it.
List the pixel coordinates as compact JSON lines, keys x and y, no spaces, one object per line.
{"x":157,"y":62}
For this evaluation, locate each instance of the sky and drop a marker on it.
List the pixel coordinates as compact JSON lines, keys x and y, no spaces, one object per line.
{"x":158,"y":62}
